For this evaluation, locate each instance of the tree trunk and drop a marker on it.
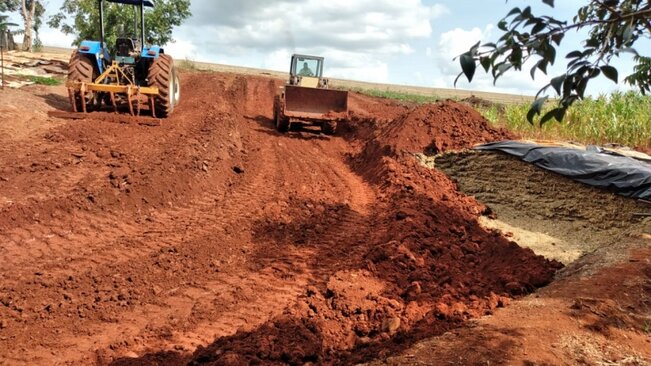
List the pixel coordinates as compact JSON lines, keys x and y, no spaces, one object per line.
{"x":28,"y":18}
{"x":11,"y":44}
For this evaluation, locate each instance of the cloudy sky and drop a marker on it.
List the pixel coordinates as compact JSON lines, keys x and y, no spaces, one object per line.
{"x":409,"y":42}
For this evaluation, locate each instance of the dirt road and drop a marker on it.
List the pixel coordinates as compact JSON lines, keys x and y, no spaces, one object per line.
{"x":214,"y":239}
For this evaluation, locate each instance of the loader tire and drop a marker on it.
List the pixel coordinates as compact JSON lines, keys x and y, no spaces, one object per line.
{"x":82,"y":69}
{"x":162,"y":75}
{"x":329,"y":127}
{"x":280,"y":121}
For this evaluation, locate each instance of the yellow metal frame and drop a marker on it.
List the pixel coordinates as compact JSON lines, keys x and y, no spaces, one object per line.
{"x":310,"y":82}
{"x":116,"y":73}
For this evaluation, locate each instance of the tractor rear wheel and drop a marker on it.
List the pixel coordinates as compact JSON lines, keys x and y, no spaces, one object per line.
{"x":82,"y":69}
{"x":162,"y":75}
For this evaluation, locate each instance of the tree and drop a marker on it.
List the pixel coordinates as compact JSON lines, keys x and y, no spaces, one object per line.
{"x":36,"y":26}
{"x":32,"y":12}
{"x":81,"y":18}
{"x":5,"y":24}
{"x":613,"y":28}
{"x":8,"y":5}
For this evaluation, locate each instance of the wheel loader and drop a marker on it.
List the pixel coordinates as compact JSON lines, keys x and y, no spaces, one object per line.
{"x":133,"y":75}
{"x":306,"y":98}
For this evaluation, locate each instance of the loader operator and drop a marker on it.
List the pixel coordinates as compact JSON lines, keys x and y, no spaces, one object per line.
{"x":305,"y":71}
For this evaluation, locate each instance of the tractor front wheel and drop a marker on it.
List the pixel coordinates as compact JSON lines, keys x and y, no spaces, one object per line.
{"x":82,"y":69}
{"x":280,"y":120}
{"x":162,"y":75}
{"x":329,"y":127}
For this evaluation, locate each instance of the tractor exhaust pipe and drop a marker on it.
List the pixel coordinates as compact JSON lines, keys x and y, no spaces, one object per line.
{"x":101,"y":22}
{"x":142,"y":25}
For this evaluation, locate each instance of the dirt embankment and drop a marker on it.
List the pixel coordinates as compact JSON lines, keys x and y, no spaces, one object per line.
{"x":212,"y":239}
{"x":416,"y":264}
{"x":597,"y":310}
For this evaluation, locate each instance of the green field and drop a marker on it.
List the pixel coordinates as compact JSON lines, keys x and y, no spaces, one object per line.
{"x":621,"y":118}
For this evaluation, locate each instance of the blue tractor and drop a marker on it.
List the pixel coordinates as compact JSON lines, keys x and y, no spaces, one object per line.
{"x":133,"y":75}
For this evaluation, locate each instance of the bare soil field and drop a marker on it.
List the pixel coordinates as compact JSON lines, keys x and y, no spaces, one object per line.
{"x":213,"y":239}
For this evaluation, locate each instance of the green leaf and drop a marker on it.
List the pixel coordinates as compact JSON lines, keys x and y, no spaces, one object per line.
{"x":533,"y":71}
{"x":538,"y":28}
{"x":457,"y":79}
{"x":468,"y":65}
{"x":538,"y":104}
{"x":550,"y":54}
{"x":568,"y":83}
{"x":549,"y":2}
{"x":542,"y":65}
{"x":556,"y":113}
{"x":536,"y":108}
{"x":574,"y":54}
{"x":610,"y":72}
{"x":548,"y":116}
{"x":581,"y":86}
{"x":558,"y":38}
{"x":516,"y":56}
{"x":474,"y":48}
{"x":557,"y":83}
{"x":530,"y":115}
{"x":513,"y":12}
{"x":485,"y":63}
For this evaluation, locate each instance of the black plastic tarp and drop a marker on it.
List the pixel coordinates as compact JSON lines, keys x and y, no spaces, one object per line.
{"x":594,"y":166}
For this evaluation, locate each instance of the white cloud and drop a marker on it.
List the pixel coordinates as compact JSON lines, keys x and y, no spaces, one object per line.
{"x":360,"y":34}
{"x":182,"y":49}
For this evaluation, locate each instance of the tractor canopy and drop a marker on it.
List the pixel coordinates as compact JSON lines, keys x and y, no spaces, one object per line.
{"x":146,"y":3}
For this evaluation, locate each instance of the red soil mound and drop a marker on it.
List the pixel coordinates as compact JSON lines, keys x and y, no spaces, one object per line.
{"x":434,"y":128}
{"x":417,"y":266}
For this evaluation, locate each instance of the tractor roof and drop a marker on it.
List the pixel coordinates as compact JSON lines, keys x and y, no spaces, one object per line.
{"x":147,"y":3}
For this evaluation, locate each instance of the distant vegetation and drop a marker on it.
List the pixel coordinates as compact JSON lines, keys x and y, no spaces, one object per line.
{"x":620,"y":118}
{"x":401,"y":96}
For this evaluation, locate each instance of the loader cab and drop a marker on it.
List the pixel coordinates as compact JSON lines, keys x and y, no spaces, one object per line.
{"x":307,"y":71}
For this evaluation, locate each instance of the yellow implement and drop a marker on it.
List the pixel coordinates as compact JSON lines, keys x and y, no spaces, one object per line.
{"x":109,"y":82}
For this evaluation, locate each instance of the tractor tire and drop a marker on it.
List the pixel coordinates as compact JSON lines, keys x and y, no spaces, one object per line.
{"x":82,"y":69}
{"x":162,"y":75}
{"x":281,"y":122}
{"x":329,"y":127}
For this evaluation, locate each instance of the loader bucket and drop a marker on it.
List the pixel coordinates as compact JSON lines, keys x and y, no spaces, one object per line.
{"x":315,"y":104}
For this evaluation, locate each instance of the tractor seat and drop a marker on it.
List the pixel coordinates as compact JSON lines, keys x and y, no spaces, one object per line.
{"x":125,"y":47}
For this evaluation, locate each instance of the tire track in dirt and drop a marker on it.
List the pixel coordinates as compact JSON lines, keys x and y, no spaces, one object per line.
{"x":323,"y":253}
{"x":98,"y":244}
{"x":267,"y":286}
{"x":74,"y":240}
